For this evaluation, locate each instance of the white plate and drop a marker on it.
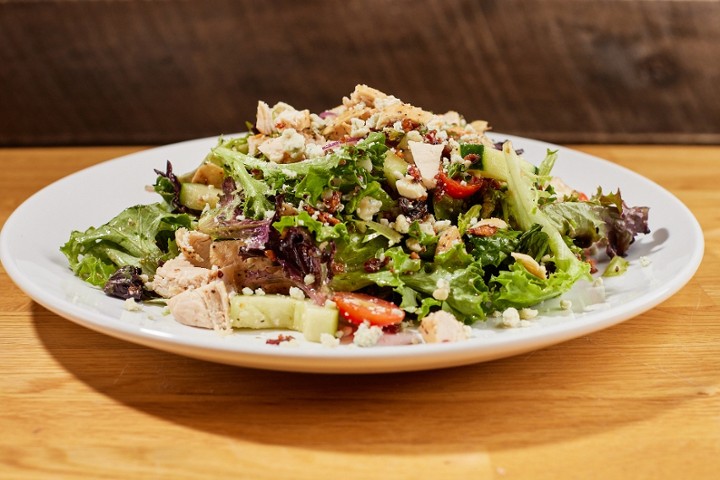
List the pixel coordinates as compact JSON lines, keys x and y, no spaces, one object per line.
{"x":30,"y":241}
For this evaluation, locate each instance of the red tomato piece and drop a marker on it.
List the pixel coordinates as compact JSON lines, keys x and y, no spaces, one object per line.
{"x":459,"y":189}
{"x":359,"y":307}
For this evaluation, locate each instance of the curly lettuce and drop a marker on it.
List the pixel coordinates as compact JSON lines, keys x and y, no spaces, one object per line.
{"x":141,"y":236}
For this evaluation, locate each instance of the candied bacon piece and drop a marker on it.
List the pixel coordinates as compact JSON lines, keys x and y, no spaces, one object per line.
{"x":280,"y":339}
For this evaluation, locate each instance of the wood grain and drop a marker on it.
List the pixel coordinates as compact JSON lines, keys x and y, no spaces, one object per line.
{"x":639,"y":400}
{"x":124,"y":72}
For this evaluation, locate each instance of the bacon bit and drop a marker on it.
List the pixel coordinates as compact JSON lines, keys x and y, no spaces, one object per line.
{"x":337,"y":267}
{"x":593,"y":265}
{"x":332,"y":201}
{"x":483,"y":231}
{"x":414,"y":172}
{"x":323,"y":217}
{"x":472,"y":157}
{"x":392,"y":329}
{"x":431,"y":137}
{"x":408,"y":124}
{"x":373,"y":265}
{"x":270,"y":255}
{"x":414,"y":255}
{"x":280,"y":338}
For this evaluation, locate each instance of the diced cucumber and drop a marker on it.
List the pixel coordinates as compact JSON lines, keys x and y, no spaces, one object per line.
{"x":196,"y":195}
{"x":313,"y":320}
{"x":279,"y":311}
{"x":394,"y":167}
{"x":493,"y":165}
{"x":262,"y":311}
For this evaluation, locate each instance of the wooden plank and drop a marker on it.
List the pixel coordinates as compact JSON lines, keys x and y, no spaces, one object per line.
{"x":560,"y":70}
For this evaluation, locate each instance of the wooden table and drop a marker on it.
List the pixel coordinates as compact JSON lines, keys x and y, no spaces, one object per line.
{"x":639,"y":400}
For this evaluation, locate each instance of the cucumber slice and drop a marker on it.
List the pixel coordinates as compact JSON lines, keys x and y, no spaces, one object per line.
{"x":262,"y":311}
{"x":492,"y":165}
{"x":394,"y":167}
{"x":281,"y":312}
{"x":313,"y":320}
{"x":196,"y":195}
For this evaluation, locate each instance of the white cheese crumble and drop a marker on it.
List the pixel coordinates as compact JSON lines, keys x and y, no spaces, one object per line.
{"x":442,"y":327}
{"x":313,"y":150}
{"x":414,"y":245}
{"x":247,"y":291}
{"x":565,"y":304}
{"x":297,"y":293}
{"x":358,"y":128}
{"x":427,"y":228}
{"x":368,"y":207}
{"x":645,"y":261}
{"x":383,"y":102}
{"x":293,"y":142}
{"x":367,"y":336}
{"x":132,"y":306}
{"x":512,"y":318}
{"x":441,"y":225}
{"x":309,"y":279}
{"x":327,"y":340}
{"x":414,"y":136}
{"x":401,"y":224}
{"x":317,"y":122}
{"x":371,"y":122}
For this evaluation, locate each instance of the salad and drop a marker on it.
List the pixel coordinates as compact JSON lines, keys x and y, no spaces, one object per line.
{"x":374,"y":222}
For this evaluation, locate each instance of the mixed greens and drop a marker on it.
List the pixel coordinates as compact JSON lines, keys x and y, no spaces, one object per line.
{"x":415,"y":212}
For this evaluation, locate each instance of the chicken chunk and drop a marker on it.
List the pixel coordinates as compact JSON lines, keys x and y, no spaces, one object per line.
{"x":206,"y":306}
{"x":240,"y":271}
{"x":178,"y":275}
{"x":264,"y":122}
{"x":195,"y":246}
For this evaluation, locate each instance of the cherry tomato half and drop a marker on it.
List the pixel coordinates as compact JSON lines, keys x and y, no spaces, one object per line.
{"x":359,"y":307}
{"x":457,"y":189}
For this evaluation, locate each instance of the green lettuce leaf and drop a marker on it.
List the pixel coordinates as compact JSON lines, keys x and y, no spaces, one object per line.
{"x":321,"y":231}
{"x":140,"y":236}
{"x":521,"y":289}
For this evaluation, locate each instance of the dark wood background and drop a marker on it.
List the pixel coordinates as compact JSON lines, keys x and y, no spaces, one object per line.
{"x":569,"y":71}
